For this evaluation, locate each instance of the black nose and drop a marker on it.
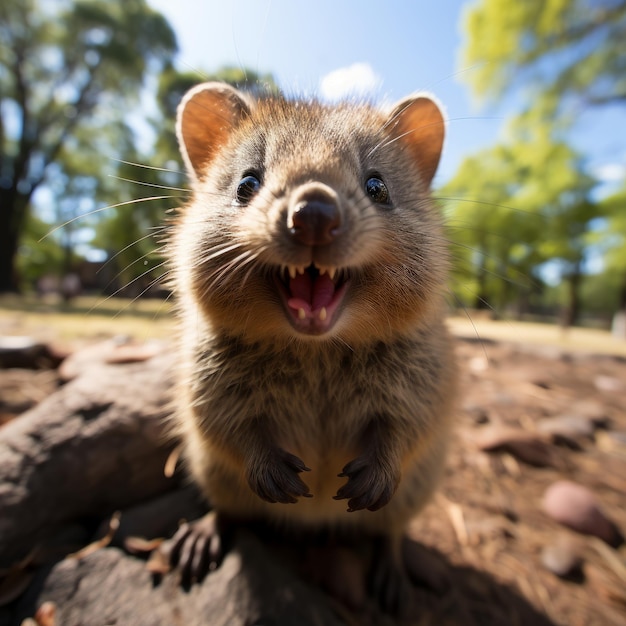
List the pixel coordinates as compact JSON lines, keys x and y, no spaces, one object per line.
{"x":315,"y":218}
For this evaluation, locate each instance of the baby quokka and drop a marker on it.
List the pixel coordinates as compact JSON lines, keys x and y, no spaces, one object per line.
{"x":317,"y":378}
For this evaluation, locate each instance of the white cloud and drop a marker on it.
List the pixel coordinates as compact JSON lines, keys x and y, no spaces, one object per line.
{"x":357,"y":80}
{"x":610,"y":172}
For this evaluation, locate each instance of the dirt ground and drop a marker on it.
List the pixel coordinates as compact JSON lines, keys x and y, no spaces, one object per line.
{"x":488,"y":516}
{"x":489,"y":512}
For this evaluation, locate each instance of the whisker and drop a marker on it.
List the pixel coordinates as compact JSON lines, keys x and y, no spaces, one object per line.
{"x":130,"y":245}
{"x":490,"y":204}
{"x":101,"y":302}
{"x":147,"y":167}
{"x":151,"y":284}
{"x":99,"y":210}
{"x":471,"y":321}
{"x":222,"y":270}
{"x":224,"y":250}
{"x":140,"y":182}
{"x":137,"y":260}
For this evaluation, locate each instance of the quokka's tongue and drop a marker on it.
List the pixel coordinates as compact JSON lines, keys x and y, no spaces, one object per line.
{"x":310,"y":294}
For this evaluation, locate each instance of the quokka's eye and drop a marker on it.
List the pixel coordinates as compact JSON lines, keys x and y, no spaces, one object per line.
{"x":377,"y":190}
{"x":248,"y":186}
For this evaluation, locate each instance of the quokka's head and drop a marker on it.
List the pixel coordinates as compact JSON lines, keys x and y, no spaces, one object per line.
{"x":309,"y":221}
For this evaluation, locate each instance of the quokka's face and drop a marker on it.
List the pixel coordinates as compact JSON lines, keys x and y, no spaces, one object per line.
{"x":308,"y":221}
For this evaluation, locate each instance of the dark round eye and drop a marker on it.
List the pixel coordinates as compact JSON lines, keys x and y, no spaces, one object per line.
{"x":377,"y":190}
{"x":246,"y":188}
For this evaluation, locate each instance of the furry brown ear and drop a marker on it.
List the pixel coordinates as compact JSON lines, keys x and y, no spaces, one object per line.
{"x":206,"y":116}
{"x":418,"y":122}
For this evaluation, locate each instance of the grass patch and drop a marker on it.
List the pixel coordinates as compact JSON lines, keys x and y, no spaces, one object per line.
{"x":91,"y":318}
{"x":85,"y":318}
{"x":574,"y":339}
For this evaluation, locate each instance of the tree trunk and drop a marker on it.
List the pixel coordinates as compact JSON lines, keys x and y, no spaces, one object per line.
{"x":13,"y":207}
{"x":481,"y":299}
{"x":622,"y":295}
{"x":571,"y":311}
{"x":618,"y":324}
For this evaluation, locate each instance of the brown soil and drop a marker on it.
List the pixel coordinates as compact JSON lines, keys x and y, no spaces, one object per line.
{"x":488,"y":513}
{"x":487,"y":517}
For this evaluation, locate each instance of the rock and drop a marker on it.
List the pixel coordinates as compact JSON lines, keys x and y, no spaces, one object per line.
{"x":567,"y":429}
{"x":478,"y":413}
{"x":593,"y":410}
{"x":107,"y":587}
{"x":562,"y":557}
{"x":478,"y":364}
{"x":22,"y":389}
{"x":119,"y":350}
{"x":158,"y":517}
{"x":85,"y":358}
{"x":613,"y":441}
{"x":97,"y":445}
{"x":133,"y":353}
{"x":523,"y":445}
{"x":609,"y":384}
{"x":576,"y":507}
{"x":27,"y":353}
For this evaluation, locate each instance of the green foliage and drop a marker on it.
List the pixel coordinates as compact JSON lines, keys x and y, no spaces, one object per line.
{"x":38,"y":255}
{"x":69,"y":74}
{"x":512,"y":208}
{"x":561,"y":55}
{"x":613,"y":236}
{"x":560,"y":48}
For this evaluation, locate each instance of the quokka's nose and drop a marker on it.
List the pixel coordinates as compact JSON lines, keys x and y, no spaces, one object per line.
{"x":315,"y":216}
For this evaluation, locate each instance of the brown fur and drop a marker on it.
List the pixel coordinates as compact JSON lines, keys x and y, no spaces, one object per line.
{"x":379,"y":385}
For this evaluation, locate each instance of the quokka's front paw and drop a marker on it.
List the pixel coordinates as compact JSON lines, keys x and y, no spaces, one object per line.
{"x":370,"y":485}
{"x":274,"y":477}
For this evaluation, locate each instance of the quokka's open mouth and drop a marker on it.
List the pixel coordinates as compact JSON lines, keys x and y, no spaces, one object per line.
{"x":312,"y":296}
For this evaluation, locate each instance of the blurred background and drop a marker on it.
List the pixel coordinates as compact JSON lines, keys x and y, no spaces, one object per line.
{"x":532,"y":183}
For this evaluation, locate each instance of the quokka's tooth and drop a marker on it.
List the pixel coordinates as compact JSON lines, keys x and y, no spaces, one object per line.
{"x":322,"y":314}
{"x":292,"y":271}
{"x":331,"y":271}
{"x":301,"y":314}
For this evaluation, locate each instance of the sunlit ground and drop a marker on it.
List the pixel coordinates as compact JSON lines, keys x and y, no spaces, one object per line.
{"x":86,"y":318}
{"x":587,"y":339}
{"x":89,"y":318}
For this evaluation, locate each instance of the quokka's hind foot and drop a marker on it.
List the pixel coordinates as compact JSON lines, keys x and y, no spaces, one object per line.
{"x":339,"y":571}
{"x":198,"y":547}
{"x":397,"y":570}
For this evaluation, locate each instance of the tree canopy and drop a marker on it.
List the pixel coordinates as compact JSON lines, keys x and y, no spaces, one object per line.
{"x":557,"y":57}
{"x":69,"y":72}
{"x":564,"y":50}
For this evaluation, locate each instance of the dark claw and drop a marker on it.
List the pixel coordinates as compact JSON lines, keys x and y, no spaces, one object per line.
{"x":275,"y":478}
{"x":197,"y":547}
{"x":198,"y":565}
{"x":369,"y":485}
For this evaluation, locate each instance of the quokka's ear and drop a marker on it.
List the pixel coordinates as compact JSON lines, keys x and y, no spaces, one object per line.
{"x":206,"y":116}
{"x":418,"y":122}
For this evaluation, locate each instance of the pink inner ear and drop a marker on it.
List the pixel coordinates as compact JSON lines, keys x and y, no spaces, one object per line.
{"x":206,"y":116}
{"x":421,"y":125}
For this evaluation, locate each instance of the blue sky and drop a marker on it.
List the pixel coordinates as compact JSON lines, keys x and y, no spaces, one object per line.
{"x":388,"y":50}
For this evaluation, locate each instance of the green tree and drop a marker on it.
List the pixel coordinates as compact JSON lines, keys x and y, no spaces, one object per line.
{"x":566,"y":51}
{"x":511,"y":209}
{"x":69,"y":73}
{"x":564,"y":56}
{"x":613,"y":242}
